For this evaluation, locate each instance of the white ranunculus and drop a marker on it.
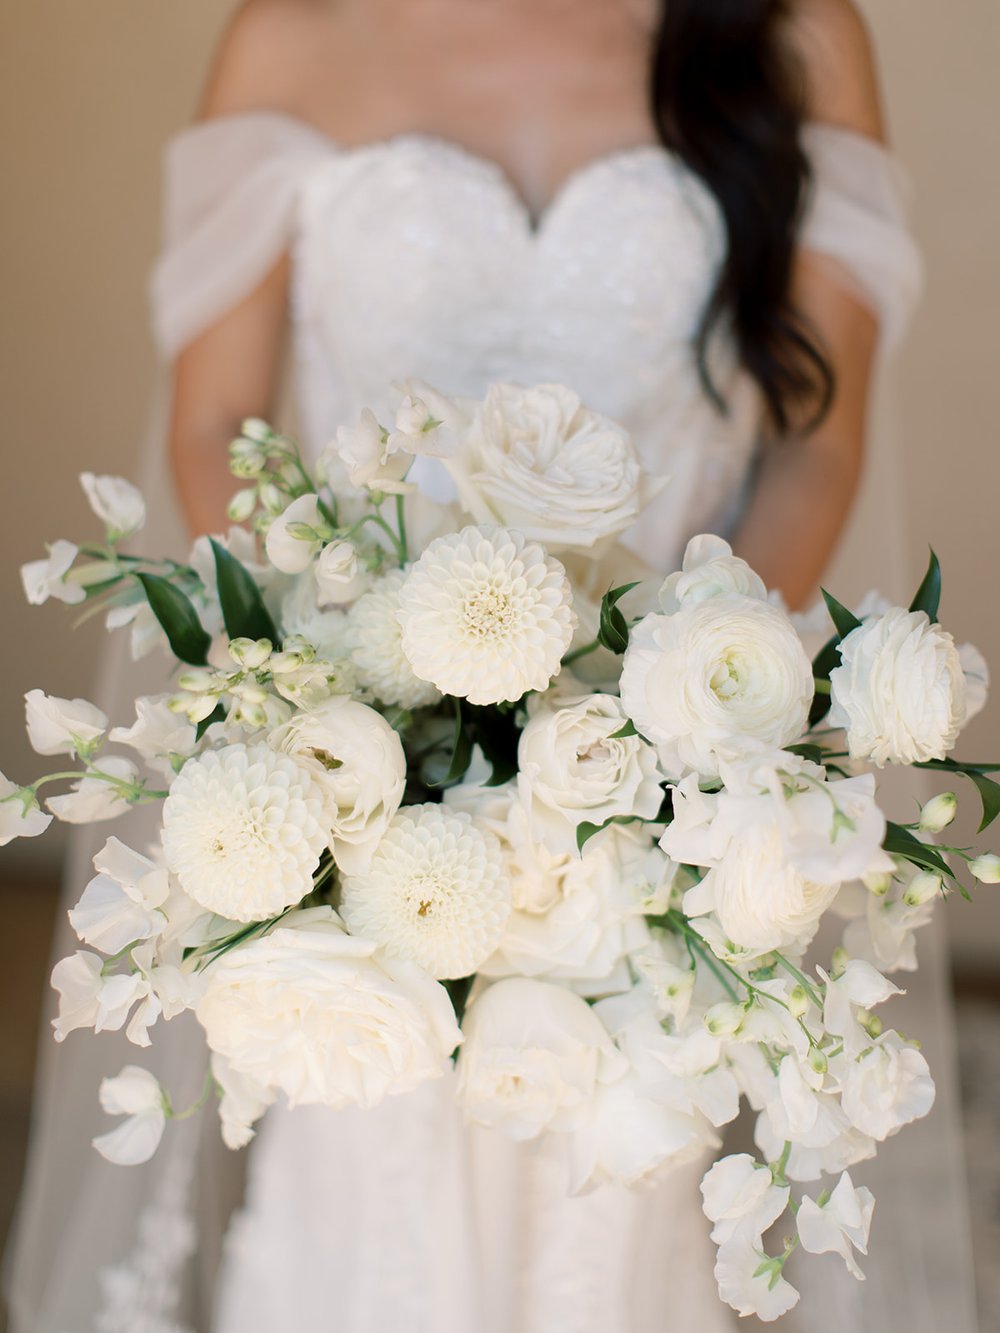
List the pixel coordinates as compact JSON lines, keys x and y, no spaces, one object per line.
{"x":357,"y":761}
{"x":533,"y":1058}
{"x":841,"y":1224}
{"x":243,"y":830}
{"x":242,"y":1103}
{"x":436,"y":891}
{"x":43,"y":579}
{"x":116,"y":502}
{"x":296,"y":535}
{"x":745,"y":1287}
{"x":339,"y":575}
{"x":323,"y":1017}
{"x":93,"y":799}
{"x":486,"y":615}
{"x":885,"y":1087}
{"x":20,"y":816}
{"x":158,"y":734}
{"x":900,"y":692}
{"x":122,"y":902}
{"x":377,"y":652}
{"x":537,"y":460}
{"x":709,"y":570}
{"x":740,"y":1197}
{"x":63,"y":726}
{"x":136,"y":1094}
{"x":572,"y":768}
{"x":718,"y":678}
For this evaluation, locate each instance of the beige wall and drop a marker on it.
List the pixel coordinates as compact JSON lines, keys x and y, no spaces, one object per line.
{"x":92,"y":90}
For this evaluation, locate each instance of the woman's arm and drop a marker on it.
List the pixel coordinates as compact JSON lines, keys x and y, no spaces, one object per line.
{"x":805,"y":486}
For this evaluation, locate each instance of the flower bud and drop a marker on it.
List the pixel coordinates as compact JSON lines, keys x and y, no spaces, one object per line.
{"x":839,"y":962}
{"x":938,"y":813}
{"x":258,"y":431}
{"x":986,"y":868}
{"x":924,"y":886}
{"x":246,"y":459}
{"x":798,"y":1002}
{"x":272,"y":498}
{"x":251,"y":654}
{"x":197,"y":680}
{"x":199,"y":706}
{"x":251,"y":714}
{"x":818,"y":1062}
{"x":242,"y":505}
{"x":725,"y":1019}
{"x":284,"y":663}
{"x":878,"y":883}
{"x":871,"y":1023}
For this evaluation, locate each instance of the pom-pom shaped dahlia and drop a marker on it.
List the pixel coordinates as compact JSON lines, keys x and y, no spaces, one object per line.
{"x":486,"y":615}
{"x":377,"y":649}
{"x":437,"y":892}
{"x":243,"y":830}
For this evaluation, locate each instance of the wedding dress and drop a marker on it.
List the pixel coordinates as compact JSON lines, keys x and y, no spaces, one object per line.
{"x":415,"y":257}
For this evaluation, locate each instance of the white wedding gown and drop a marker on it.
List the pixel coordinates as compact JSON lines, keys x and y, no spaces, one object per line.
{"x":414,"y":257}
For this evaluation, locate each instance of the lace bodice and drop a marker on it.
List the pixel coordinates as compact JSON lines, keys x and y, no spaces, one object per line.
{"x":415,"y":257}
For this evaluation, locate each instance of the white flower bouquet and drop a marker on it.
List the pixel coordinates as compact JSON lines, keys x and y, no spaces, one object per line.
{"x":428,"y":795}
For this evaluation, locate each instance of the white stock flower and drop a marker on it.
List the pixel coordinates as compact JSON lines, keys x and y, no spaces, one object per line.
{"x":900,"y":692}
{"x":841,"y":1224}
{"x":533,"y":1057}
{"x":537,"y":460}
{"x":93,"y":799}
{"x":20,"y":816}
{"x":740,"y":1197}
{"x":750,"y":1284}
{"x":377,"y":647}
{"x":292,"y":551}
{"x":63,"y":726}
{"x":43,"y":579}
{"x":339,"y":575}
{"x":88,"y":999}
{"x":122,"y":902}
{"x":136,"y":1094}
{"x":436,"y":892}
{"x":885,"y":1087}
{"x":158,"y":734}
{"x":243,"y":830}
{"x":572,"y":768}
{"x":116,"y":502}
{"x":242,"y":1103}
{"x":709,"y":570}
{"x":717,"y":678}
{"x":320,"y":1015}
{"x":486,"y":615}
{"x":358,"y":764}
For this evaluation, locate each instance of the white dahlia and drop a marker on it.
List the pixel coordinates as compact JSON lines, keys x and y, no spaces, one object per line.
{"x":486,"y":615}
{"x":243,"y":830}
{"x":437,"y":892}
{"x":377,"y":648}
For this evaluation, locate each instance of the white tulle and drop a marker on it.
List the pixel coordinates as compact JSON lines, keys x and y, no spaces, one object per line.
{"x":415,"y":257}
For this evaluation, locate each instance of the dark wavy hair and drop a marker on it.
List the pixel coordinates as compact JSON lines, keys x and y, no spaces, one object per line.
{"x":728,"y":99}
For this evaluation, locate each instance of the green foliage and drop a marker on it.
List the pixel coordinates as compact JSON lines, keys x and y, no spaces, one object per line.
{"x":243,"y":609}
{"x":844,"y":621}
{"x":613,"y":631}
{"x":989,"y":791}
{"x":187,"y":638}
{"x":900,"y":841}
{"x":928,"y":595}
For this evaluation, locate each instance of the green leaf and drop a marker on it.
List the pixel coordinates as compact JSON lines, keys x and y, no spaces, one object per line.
{"x":928,"y":595}
{"x":613,"y":631}
{"x":989,"y":794}
{"x":584,"y":833}
{"x":218,"y":714}
{"x":461,"y":751}
{"x":243,"y":609}
{"x":813,"y":753}
{"x":496,"y":733}
{"x":178,"y":619}
{"x":899,"y":841}
{"x":624,"y":732}
{"x":845,"y":621}
{"x":824,"y":662}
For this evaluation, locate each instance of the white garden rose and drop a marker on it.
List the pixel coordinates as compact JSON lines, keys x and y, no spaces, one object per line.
{"x":900,"y":691}
{"x":358,"y":764}
{"x":376,"y":639}
{"x":486,"y":615}
{"x":709,"y":569}
{"x":574,"y":768}
{"x":323,"y":1017}
{"x":242,"y":1102}
{"x":716,"y":679}
{"x":63,"y":726}
{"x":533,"y":1058}
{"x":116,"y":502}
{"x":537,"y":460}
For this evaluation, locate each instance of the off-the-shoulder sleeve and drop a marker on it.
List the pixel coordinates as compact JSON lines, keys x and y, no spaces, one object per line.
{"x":231,"y":189}
{"x":857,"y":216}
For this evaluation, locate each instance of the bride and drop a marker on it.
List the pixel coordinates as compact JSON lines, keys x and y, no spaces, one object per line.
{"x":688,"y":216}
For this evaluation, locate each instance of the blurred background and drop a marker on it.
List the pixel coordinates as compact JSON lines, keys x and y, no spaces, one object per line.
{"x":90,"y":94}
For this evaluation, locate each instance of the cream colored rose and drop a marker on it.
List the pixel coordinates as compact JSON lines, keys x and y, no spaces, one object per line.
{"x":900,"y":691}
{"x":357,"y":762}
{"x":317,"y":1014}
{"x":714,"y":680}
{"x":573,"y":768}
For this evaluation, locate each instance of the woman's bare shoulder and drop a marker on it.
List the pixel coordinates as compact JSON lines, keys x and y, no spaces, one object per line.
{"x":275,"y":55}
{"x":831,"y":39}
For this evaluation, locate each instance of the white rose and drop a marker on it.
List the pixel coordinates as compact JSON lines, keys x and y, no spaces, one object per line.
{"x":136,"y":1094}
{"x":339,"y":576}
{"x":533,"y":1058}
{"x":573,"y":769}
{"x":20,"y":816}
{"x":63,"y":726}
{"x":886,"y":1087}
{"x":313,"y":1012}
{"x":538,"y":461}
{"x":116,"y":502}
{"x":709,"y":570}
{"x":43,"y":579}
{"x":718,"y":678}
{"x":243,"y":1101}
{"x":357,"y":761}
{"x":900,"y":692}
{"x":296,"y":535}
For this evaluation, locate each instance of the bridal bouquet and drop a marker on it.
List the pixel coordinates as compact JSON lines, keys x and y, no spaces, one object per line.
{"x":434,"y":784}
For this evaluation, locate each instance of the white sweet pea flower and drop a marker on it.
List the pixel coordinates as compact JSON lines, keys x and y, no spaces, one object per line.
{"x":339,"y":575}
{"x":886,"y":1086}
{"x":94,"y":799}
{"x":63,"y":726}
{"x":883,"y":931}
{"x":376,"y":459}
{"x":242,"y":1103}
{"x":88,"y":999}
{"x":709,"y":570}
{"x":146,"y":632}
{"x":573,"y":768}
{"x":840,"y":1224}
{"x":134,"y":1093}
{"x":43,"y":579}
{"x":859,"y":986}
{"x":20,"y":816}
{"x":296,"y":535}
{"x":121,"y":904}
{"x":750,"y":1282}
{"x":740,"y":1197}
{"x":158,"y":734}
{"x":116,"y":502}
{"x":900,"y":691}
